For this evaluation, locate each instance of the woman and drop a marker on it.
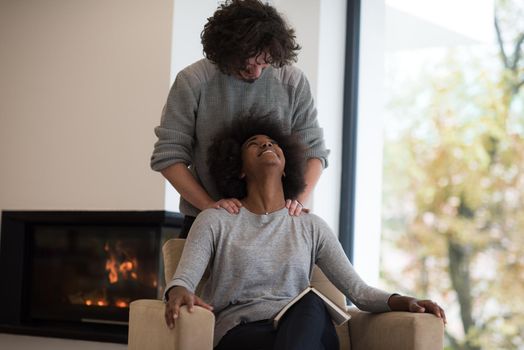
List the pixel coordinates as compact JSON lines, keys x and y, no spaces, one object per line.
{"x":261,"y":258}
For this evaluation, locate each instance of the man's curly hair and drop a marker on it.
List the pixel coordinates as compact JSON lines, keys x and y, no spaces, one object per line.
{"x":241,"y":29}
{"x":225,"y":155}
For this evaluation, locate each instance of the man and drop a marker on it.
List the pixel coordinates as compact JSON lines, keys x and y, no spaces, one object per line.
{"x":249,"y":49}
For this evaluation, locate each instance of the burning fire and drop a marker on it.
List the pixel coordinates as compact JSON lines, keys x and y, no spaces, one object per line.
{"x":121,"y":303}
{"x":121,"y":265}
{"x":104,"y":302}
{"x":125,"y":269}
{"x":96,"y":301}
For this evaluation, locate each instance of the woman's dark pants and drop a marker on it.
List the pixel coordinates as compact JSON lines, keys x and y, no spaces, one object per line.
{"x":306,"y":326}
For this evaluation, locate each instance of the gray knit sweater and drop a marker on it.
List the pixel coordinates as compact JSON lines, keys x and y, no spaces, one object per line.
{"x":260,"y":262}
{"x":203,"y":100}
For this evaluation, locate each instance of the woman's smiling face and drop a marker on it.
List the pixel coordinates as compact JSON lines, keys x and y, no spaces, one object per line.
{"x":260,"y":151}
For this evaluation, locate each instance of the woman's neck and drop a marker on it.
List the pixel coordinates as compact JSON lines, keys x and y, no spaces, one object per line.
{"x":264,"y":197}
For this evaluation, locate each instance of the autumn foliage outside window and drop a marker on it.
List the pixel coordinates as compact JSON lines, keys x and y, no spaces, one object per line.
{"x":453,"y":183}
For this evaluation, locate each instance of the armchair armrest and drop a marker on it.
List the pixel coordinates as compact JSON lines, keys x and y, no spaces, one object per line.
{"x":395,"y":330}
{"x":148,"y":329}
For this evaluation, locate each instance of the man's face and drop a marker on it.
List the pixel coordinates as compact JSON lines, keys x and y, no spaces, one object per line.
{"x":254,"y":67}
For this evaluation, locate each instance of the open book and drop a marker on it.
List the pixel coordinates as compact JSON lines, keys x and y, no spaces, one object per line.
{"x":338,"y":315}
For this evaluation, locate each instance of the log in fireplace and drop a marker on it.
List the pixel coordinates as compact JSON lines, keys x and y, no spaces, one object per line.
{"x":72,"y":274}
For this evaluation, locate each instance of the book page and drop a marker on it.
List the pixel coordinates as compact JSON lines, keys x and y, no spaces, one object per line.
{"x":338,"y":315}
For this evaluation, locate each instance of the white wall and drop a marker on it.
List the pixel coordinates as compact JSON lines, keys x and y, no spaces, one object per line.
{"x":82,"y":86}
{"x":330,"y":95}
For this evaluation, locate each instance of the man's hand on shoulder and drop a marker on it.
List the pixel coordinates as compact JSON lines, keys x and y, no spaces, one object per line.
{"x":177,"y":297}
{"x":232,"y":205}
{"x":295,"y":207}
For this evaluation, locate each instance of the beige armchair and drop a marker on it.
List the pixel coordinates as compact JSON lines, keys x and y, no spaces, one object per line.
{"x":364,"y":331}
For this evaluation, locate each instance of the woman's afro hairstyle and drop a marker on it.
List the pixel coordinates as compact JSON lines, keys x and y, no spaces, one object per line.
{"x":241,"y":29}
{"x":225,"y":155}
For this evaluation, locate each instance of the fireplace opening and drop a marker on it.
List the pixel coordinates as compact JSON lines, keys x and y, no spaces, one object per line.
{"x":91,"y":274}
{"x":73,"y":274}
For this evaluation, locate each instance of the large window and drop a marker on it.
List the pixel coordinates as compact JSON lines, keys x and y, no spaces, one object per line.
{"x":446,"y":111}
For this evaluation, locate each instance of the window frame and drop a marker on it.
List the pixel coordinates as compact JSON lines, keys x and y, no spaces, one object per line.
{"x":349,"y":129}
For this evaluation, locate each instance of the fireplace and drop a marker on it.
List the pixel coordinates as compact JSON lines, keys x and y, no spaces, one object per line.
{"x":73,"y":274}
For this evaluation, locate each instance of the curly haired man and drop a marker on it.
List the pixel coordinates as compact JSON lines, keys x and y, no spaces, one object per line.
{"x":249,"y":50}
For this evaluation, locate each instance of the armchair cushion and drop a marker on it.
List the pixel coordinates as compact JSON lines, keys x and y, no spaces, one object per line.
{"x":148,"y":330}
{"x":147,"y":327}
{"x":395,"y":330}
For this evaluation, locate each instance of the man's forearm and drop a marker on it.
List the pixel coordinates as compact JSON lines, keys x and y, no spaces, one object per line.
{"x":183,"y":181}
{"x":313,"y":172}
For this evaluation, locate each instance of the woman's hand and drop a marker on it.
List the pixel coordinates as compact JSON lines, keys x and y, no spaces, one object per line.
{"x":232,"y":205}
{"x":295,"y":207}
{"x":178,"y":296}
{"x":403,"y":303}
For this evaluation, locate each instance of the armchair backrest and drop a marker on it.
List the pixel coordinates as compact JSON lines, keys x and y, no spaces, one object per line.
{"x":172,"y":251}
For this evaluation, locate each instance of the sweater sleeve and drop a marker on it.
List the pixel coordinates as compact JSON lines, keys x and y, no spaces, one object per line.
{"x":198,"y":252}
{"x":305,"y":123}
{"x":332,"y":260}
{"x":177,"y":126}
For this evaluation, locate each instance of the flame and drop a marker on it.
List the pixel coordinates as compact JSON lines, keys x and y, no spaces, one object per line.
{"x":113,"y":273}
{"x":121,"y":264}
{"x":99,"y":302}
{"x":102,"y":302}
{"x":126,"y":269}
{"x":121,"y":303}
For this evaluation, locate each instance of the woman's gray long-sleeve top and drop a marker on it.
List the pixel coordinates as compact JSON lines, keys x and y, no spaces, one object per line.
{"x":260,"y":262}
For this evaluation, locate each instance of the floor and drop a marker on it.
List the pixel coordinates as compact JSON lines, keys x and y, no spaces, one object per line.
{"x":24,"y":342}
